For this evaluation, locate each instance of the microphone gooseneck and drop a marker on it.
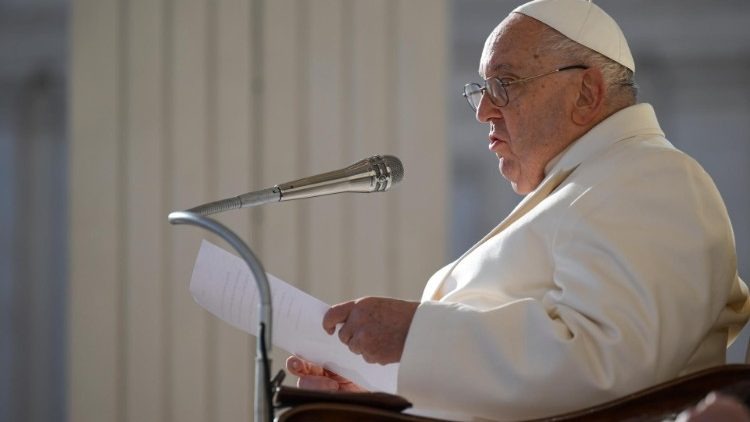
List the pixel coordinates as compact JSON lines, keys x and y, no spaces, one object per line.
{"x":375,"y":174}
{"x":250,"y":199}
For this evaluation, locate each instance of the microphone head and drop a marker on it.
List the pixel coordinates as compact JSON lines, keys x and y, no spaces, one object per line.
{"x":395,"y":168}
{"x":384,"y":171}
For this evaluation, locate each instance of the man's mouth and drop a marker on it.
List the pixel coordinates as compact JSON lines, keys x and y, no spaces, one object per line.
{"x":494,"y":144}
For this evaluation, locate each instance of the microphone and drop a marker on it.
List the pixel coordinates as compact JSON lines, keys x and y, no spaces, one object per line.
{"x":375,"y":174}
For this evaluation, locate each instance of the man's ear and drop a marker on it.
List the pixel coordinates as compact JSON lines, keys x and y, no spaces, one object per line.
{"x":590,"y":101}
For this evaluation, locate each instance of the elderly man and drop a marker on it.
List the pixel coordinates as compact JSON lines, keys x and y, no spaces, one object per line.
{"x":616,"y":271}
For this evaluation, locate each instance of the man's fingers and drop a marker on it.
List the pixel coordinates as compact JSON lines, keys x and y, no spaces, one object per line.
{"x":314,"y":377}
{"x":345,"y":333}
{"x":300,"y":367}
{"x":312,"y":382}
{"x":337,"y":314}
{"x":295,"y":366}
{"x":355,"y":343}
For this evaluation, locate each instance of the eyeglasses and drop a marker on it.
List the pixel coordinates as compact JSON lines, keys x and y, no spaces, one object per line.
{"x":496,"y":88}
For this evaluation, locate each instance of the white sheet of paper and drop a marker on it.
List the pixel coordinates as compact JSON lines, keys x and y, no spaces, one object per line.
{"x":223,"y":285}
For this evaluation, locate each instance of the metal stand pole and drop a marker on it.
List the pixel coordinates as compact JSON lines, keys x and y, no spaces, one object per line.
{"x":263,"y":405}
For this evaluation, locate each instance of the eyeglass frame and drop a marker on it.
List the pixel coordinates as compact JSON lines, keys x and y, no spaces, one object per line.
{"x":483,"y":89}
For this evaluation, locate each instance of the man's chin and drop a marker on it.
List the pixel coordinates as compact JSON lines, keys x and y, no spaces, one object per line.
{"x":519,"y":189}
{"x":506,"y":175}
{"x":519,"y":185}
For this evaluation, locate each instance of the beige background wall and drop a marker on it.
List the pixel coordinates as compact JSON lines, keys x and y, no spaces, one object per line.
{"x":175,"y":103}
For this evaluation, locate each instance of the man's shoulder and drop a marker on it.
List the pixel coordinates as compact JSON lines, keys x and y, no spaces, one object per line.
{"x":636,"y":174}
{"x":638,"y":158}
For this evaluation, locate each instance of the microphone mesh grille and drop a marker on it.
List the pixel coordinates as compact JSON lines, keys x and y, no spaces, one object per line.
{"x":397,"y":169}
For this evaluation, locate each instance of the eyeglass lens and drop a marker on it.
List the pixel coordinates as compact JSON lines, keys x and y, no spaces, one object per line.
{"x":474,"y":91}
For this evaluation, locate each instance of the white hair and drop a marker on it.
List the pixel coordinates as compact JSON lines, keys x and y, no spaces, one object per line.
{"x":620,"y":82}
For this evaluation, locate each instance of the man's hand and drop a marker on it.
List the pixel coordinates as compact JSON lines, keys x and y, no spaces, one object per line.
{"x":314,"y":377}
{"x":716,"y":407}
{"x":374,"y":327}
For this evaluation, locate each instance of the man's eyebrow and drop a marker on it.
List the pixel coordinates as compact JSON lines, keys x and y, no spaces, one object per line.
{"x":497,"y":67}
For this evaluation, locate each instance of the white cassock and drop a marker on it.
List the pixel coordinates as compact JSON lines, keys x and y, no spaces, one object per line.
{"x":618,"y":272}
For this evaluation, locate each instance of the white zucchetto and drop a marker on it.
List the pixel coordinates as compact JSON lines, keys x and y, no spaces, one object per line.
{"x":585,"y":23}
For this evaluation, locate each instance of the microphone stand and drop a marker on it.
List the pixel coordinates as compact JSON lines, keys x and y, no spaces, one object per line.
{"x":374,"y":174}
{"x":263,"y":405}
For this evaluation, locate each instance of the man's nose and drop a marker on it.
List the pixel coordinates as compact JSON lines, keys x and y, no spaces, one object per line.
{"x":487,"y":110}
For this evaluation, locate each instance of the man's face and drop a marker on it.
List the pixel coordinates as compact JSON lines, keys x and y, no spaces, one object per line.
{"x":534,"y":126}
